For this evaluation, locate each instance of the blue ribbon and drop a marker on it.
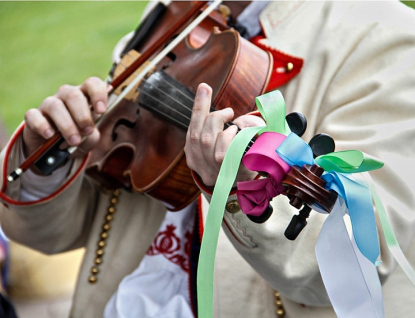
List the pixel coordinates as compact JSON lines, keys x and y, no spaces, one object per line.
{"x":357,"y":196}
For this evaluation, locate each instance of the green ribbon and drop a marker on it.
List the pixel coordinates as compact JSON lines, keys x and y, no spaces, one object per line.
{"x":389,"y":234}
{"x":272,"y":109}
{"x":338,"y":165}
{"x":355,"y":161}
{"x":348,"y":161}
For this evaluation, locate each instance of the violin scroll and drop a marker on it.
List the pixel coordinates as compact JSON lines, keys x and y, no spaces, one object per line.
{"x":304,"y":185}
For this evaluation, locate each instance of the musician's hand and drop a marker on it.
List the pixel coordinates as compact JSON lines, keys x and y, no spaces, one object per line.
{"x":69,"y":112}
{"x":207,"y":142}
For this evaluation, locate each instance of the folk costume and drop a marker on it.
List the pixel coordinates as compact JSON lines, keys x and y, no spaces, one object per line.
{"x":349,"y":68}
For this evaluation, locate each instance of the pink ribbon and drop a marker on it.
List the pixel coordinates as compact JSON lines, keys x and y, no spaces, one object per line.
{"x":254,"y":196}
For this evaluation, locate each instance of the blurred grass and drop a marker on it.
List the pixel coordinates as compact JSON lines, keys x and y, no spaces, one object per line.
{"x":45,"y":44}
{"x":409,"y":3}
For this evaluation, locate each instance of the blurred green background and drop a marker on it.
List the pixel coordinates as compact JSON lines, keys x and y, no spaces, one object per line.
{"x":45,"y":44}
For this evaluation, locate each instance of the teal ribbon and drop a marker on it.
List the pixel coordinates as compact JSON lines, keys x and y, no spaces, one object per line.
{"x":357,"y":196}
{"x":358,"y":200}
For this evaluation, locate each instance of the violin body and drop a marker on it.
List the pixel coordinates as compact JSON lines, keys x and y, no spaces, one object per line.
{"x":142,"y":142}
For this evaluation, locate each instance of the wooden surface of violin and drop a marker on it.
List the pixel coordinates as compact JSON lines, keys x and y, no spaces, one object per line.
{"x":142,"y":141}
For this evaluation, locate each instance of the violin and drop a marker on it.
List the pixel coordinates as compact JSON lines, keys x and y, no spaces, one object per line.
{"x":142,"y":139}
{"x":142,"y":144}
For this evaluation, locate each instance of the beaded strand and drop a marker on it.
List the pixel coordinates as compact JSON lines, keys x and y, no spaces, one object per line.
{"x":100,"y":251}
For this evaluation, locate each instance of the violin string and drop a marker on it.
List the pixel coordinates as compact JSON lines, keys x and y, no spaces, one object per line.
{"x":175,"y":100}
{"x":163,"y":103}
{"x":251,"y":142}
{"x":150,"y":73}
{"x":169,"y":97}
{"x":173,"y":109}
{"x":190,"y":109}
{"x":167,"y":106}
{"x":179,"y":91}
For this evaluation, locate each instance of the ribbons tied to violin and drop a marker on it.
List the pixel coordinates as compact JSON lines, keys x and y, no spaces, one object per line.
{"x":347,"y":248}
{"x":254,"y":196}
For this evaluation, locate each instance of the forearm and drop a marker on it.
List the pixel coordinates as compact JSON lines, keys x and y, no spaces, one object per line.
{"x":53,"y":223}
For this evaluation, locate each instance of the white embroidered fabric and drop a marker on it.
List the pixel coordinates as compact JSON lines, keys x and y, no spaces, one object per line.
{"x":159,"y":287}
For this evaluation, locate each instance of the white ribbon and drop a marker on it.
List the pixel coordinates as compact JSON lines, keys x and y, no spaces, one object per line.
{"x":351,"y":281}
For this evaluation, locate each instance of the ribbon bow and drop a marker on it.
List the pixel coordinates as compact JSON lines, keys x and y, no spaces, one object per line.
{"x":336,"y":251}
{"x":357,"y":196}
{"x":350,"y":276}
{"x":254,"y":196}
{"x":274,"y":154}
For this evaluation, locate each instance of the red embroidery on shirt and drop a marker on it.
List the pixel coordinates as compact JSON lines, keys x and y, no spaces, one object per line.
{"x":285,"y":66}
{"x":168,"y":244}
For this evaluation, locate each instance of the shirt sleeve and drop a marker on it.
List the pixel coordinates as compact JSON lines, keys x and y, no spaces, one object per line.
{"x":30,"y":190}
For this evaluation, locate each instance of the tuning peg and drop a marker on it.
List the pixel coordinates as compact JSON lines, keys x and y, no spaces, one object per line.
{"x":304,"y":187}
{"x":321,"y":144}
{"x":297,"y":123}
{"x":298,"y":223}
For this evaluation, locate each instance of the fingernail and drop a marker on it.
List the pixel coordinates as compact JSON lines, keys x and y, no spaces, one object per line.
{"x":74,"y":140}
{"x":233,"y":129}
{"x":49,"y":133}
{"x":202,"y":91}
{"x":88,"y":130}
{"x":100,"y":107}
{"x":229,"y":110}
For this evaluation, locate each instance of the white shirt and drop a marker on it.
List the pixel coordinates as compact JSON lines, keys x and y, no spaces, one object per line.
{"x":159,"y":287}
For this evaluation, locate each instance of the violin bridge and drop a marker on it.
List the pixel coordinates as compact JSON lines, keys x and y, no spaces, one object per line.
{"x":125,"y":62}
